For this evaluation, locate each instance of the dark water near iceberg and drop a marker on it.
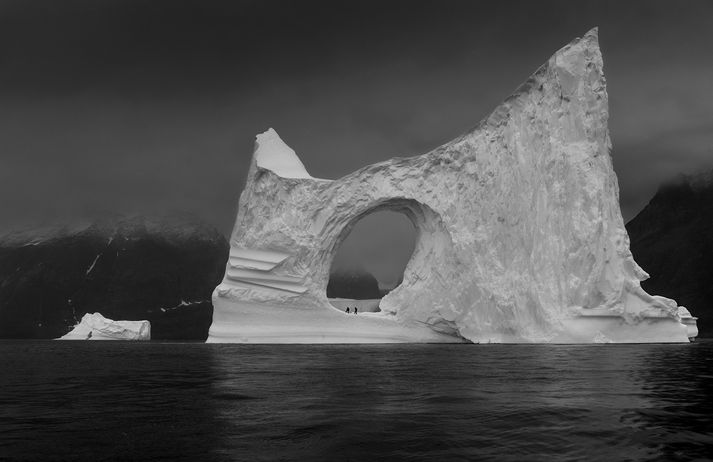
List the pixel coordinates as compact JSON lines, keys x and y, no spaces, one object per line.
{"x":159,"y":401}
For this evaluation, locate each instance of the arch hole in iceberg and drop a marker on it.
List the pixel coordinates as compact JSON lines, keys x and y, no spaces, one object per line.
{"x":370,"y":260}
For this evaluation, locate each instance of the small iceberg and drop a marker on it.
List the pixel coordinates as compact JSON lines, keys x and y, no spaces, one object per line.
{"x":94,"y":326}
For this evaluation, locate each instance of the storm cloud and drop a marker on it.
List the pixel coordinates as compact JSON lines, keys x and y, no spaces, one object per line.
{"x":152,"y":107}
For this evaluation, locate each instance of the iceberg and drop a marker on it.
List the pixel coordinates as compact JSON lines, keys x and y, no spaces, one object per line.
{"x":520,"y":238}
{"x":94,"y":326}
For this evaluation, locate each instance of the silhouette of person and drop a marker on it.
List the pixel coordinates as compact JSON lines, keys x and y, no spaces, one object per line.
{"x":355,"y":310}
{"x":347,"y":310}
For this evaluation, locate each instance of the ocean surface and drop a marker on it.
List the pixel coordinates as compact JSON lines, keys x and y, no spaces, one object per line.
{"x":99,"y":401}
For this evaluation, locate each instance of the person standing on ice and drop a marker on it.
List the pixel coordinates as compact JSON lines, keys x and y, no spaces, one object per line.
{"x":347,"y":310}
{"x":355,"y":310}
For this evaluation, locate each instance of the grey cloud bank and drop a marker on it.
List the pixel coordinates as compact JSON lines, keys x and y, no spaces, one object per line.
{"x":132,"y":107}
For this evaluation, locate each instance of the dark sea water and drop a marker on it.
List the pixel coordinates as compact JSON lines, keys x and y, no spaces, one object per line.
{"x":100,"y":401}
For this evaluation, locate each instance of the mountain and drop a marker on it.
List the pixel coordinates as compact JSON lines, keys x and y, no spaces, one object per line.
{"x":163,"y":270}
{"x":353,"y":283}
{"x":672,"y":239}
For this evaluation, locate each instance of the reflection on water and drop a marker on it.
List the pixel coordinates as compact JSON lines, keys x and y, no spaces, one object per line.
{"x":136,"y":401}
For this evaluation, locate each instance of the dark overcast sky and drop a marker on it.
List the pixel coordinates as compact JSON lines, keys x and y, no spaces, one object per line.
{"x":152,"y":107}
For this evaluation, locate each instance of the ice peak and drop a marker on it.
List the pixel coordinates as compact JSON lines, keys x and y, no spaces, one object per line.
{"x":271,"y":153}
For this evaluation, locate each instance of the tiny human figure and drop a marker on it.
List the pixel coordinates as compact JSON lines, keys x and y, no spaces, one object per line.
{"x":355,"y":310}
{"x":347,"y":310}
{"x":90,"y":335}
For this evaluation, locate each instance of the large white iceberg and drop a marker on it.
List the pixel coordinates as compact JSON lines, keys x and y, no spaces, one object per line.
{"x":519,"y":233}
{"x":94,"y":326}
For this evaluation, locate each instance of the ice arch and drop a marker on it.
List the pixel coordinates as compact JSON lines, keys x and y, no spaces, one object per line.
{"x":432,"y":245}
{"x":379,"y":245}
{"x":520,"y":236}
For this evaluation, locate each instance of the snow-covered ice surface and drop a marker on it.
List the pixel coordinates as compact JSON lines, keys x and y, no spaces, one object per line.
{"x":519,"y":233}
{"x":102,"y":328}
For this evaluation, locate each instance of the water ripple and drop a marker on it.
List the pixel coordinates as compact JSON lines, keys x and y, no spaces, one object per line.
{"x":160,"y":401}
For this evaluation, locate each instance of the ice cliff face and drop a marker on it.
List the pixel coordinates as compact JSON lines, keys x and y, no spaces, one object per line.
{"x":519,"y":233}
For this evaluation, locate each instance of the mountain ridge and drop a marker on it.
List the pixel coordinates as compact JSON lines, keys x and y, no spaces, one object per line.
{"x":160,"y":268}
{"x":672,"y":240}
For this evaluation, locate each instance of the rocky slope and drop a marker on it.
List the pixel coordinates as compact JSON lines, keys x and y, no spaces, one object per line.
{"x":130,"y":269}
{"x":672,"y":239}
